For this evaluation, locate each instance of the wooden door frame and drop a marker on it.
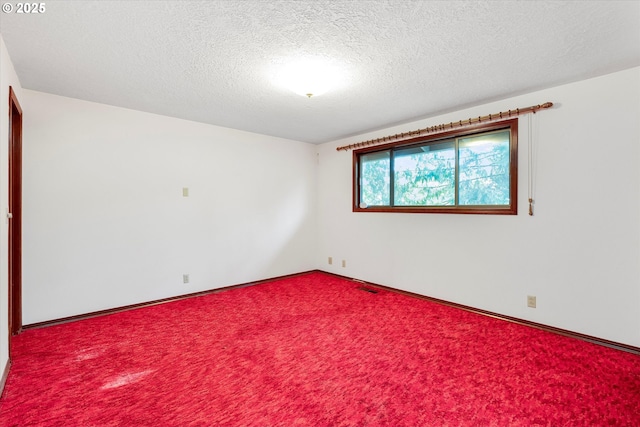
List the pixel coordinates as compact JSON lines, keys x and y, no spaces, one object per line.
{"x":15,"y":216}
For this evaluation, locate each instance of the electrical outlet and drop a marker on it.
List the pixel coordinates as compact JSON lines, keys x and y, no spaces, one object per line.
{"x":330,"y":260}
{"x":185,"y":278}
{"x":531,"y":301}
{"x":344,"y":263}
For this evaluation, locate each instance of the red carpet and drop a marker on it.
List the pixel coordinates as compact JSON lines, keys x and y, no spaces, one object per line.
{"x":313,"y":351}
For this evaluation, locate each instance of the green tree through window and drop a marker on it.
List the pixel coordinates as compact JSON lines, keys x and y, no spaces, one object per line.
{"x":425,"y":176}
{"x":375,"y":179}
{"x":466,"y":173}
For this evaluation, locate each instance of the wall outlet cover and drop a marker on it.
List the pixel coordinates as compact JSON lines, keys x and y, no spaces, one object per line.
{"x":531,"y":301}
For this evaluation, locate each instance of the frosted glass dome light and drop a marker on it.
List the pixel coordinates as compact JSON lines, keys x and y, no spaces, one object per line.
{"x":310,"y":76}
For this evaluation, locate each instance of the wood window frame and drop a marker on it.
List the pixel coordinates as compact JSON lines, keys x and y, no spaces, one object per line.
{"x":511,"y":209}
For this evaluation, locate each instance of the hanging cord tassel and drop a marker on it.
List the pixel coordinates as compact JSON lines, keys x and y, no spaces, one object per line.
{"x":530,"y":175}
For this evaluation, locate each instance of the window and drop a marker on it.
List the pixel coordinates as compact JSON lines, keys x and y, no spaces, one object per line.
{"x":465,"y":171}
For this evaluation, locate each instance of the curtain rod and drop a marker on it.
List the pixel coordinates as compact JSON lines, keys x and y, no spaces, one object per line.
{"x":451,"y":125}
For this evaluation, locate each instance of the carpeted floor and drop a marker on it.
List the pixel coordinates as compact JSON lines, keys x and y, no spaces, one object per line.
{"x":313,"y":350}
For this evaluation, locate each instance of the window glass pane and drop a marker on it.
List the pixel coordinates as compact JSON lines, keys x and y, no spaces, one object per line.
{"x":484,"y":169}
{"x":375,"y":169}
{"x":425,"y":175}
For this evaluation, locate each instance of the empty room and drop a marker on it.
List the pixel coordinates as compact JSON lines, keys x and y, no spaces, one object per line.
{"x":320,"y":213}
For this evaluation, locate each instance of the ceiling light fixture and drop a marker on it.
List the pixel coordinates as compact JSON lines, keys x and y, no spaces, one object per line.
{"x":309,"y":76}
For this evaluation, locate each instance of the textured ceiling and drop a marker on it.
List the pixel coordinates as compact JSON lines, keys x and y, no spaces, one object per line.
{"x":213,"y":61}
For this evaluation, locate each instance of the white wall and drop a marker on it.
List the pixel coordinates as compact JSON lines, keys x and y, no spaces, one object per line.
{"x":8,"y":78}
{"x":579,"y":254}
{"x":105,"y":222}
